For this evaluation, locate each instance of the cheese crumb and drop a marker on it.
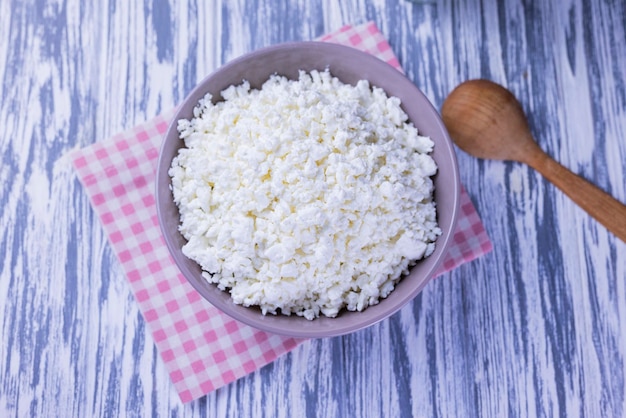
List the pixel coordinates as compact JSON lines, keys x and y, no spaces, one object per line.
{"x":306,"y":196}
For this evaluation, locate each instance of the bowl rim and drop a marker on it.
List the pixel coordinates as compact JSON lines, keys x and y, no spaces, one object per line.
{"x":262,"y":322}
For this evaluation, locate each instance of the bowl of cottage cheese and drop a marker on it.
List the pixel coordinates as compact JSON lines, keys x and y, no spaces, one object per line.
{"x":307,"y":189}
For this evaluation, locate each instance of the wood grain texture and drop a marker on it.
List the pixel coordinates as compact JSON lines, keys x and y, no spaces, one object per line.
{"x":536,"y":328}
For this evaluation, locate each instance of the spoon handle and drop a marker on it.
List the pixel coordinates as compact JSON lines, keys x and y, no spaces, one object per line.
{"x":603,"y":207}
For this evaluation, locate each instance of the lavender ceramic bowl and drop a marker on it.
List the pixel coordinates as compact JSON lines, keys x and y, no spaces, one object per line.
{"x":350,"y":66}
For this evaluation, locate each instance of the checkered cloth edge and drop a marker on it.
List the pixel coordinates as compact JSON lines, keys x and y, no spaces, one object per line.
{"x":201,"y":347}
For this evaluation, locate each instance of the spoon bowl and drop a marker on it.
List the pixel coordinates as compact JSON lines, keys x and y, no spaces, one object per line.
{"x":485,"y":120}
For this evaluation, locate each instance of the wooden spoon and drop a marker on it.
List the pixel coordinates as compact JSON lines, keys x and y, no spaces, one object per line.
{"x":485,"y":120}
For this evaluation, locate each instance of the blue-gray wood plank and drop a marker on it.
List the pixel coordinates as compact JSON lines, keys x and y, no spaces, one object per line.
{"x":536,"y":328}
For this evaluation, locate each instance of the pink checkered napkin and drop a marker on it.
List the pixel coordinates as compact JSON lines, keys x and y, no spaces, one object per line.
{"x":202,"y":348}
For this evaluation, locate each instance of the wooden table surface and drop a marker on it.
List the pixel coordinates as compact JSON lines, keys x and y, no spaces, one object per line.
{"x":535,"y":328}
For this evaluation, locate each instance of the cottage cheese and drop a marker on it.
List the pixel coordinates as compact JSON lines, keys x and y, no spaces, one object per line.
{"x":304,"y":197}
